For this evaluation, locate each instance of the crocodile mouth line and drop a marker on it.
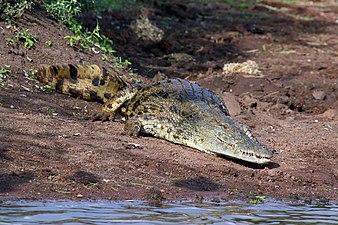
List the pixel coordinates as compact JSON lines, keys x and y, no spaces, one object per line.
{"x":253,"y":155}
{"x":244,"y":153}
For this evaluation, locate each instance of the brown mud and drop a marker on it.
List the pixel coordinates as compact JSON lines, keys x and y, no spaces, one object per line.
{"x":49,"y":150}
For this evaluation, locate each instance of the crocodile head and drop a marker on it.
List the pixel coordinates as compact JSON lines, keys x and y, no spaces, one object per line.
{"x":228,"y":137}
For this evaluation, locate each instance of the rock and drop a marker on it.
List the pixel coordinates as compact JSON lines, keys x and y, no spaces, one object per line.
{"x":180,"y":57}
{"x":231,"y":103}
{"x":319,"y":95}
{"x":248,"y":100}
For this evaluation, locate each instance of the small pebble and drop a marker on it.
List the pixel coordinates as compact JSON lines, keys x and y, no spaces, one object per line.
{"x":319,"y":95}
{"x":133,"y":146}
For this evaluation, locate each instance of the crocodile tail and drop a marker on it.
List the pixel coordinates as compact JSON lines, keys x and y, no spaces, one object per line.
{"x":86,"y":81}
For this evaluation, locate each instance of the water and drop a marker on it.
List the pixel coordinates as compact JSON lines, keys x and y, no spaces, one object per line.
{"x":137,"y":212}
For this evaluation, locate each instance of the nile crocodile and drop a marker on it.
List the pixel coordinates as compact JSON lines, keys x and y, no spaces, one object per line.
{"x":175,"y":109}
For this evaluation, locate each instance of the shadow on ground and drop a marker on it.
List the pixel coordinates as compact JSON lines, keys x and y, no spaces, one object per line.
{"x":85,"y":178}
{"x":199,"y":183}
{"x":9,"y":182}
{"x":209,"y":33}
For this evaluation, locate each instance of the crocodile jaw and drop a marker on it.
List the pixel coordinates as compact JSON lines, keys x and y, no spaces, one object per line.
{"x":258,"y":154}
{"x":230,"y":138}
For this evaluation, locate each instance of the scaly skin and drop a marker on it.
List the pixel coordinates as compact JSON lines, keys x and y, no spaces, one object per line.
{"x":176,"y":110}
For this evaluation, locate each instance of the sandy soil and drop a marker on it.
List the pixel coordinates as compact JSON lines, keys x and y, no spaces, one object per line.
{"x":49,"y":150}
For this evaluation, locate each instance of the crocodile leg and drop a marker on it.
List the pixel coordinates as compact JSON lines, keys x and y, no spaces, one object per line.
{"x":149,"y":124}
{"x":133,"y":126}
{"x":113,"y":106}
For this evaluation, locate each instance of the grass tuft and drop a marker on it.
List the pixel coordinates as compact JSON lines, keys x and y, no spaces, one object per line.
{"x":12,"y":10}
{"x":4,"y":72}
{"x":27,"y":39}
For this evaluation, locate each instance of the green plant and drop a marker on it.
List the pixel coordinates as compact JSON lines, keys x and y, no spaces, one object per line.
{"x":240,"y":4}
{"x":313,"y":28}
{"x":307,"y":18}
{"x":28,"y":39}
{"x":11,"y":10}
{"x":62,"y":10}
{"x":4,"y":72}
{"x":74,"y":26}
{"x":291,"y":2}
{"x":63,"y":192}
{"x":135,"y":77}
{"x":258,"y":199}
{"x":10,"y":41}
{"x":119,"y":5}
{"x":244,"y":5}
{"x":104,"y":57}
{"x":65,"y":10}
{"x":92,"y":184}
{"x":119,"y":63}
{"x":31,"y":74}
{"x":84,"y":39}
{"x":89,"y":40}
{"x":49,"y":43}
{"x":95,"y":42}
{"x":49,"y":88}
{"x":52,"y":110}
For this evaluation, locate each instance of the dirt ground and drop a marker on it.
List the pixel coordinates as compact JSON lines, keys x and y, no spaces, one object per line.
{"x":49,"y":150}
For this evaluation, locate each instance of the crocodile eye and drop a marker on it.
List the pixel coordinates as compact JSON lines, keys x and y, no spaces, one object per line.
{"x":223,"y":126}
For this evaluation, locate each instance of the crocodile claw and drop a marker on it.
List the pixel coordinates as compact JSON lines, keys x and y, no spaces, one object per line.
{"x":102,"y":116}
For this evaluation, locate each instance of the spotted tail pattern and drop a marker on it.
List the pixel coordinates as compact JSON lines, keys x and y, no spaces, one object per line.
{"x":86,"y":81}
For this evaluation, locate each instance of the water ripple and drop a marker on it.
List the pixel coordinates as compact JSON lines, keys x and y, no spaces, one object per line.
{"x":138,"y":212}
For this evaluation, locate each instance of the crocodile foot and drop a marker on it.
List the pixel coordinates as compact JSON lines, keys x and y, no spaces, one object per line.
{"x":133,"y":127}
{"x":102,"y":116}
